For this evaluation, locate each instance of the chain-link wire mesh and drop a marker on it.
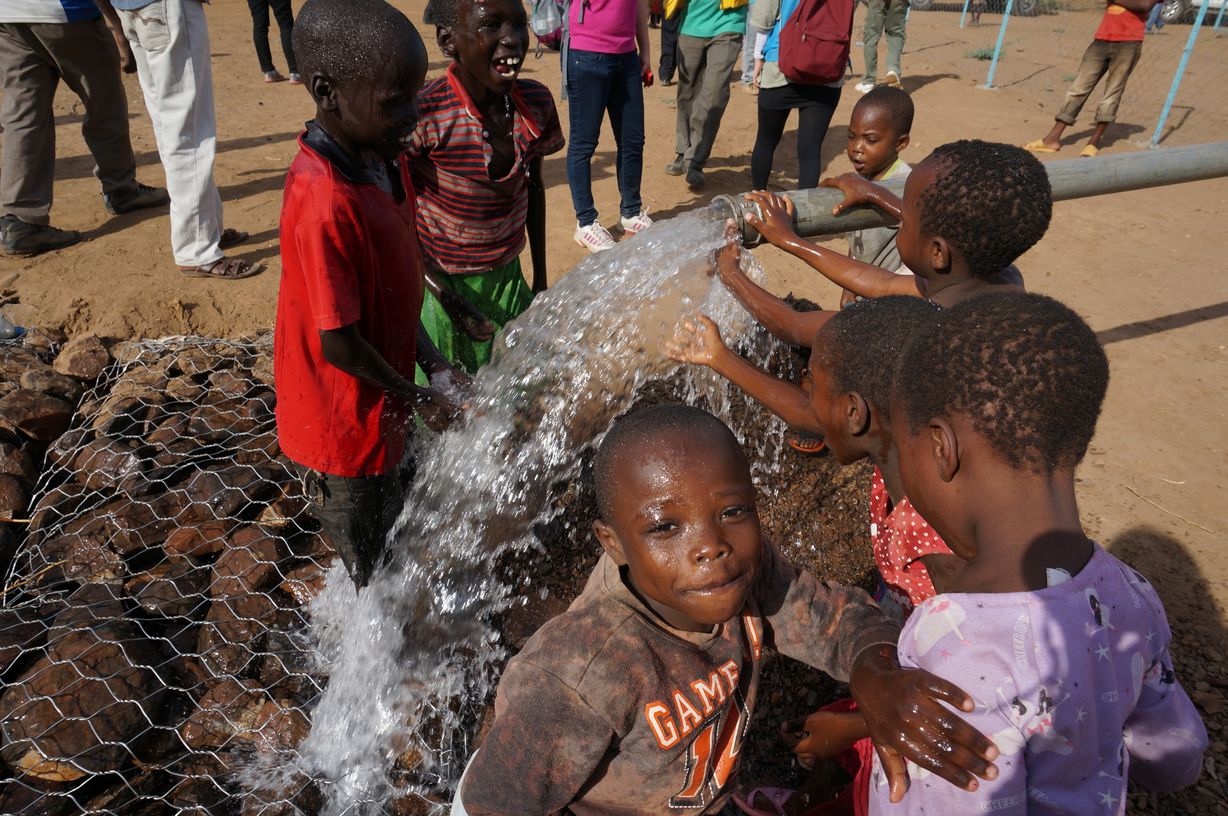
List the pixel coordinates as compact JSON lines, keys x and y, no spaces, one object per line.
{"x":1041,"y":51}
{"x":150,"y":634}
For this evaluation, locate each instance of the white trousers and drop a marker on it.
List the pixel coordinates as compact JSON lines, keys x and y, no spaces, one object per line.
{"x":170,"y":39}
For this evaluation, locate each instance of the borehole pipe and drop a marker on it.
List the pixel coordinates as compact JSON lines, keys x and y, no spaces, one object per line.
{"x":1071,"y":178}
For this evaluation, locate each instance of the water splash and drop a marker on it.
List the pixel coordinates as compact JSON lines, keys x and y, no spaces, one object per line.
{"x":416,"y":640}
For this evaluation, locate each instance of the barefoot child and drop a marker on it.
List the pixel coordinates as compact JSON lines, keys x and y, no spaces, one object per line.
{"x":1064,"y":648}
{"x":636,"y":699}
{"x":970,"y":209}
{"x":476,"y":159}
{"x":346,"y":341}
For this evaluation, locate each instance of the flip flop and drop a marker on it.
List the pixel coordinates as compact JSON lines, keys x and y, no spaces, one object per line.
{"x":1039,"y":146}
{"x":1090,"y":152}
{"x":775,"y":796}
{"x":807,"y":443}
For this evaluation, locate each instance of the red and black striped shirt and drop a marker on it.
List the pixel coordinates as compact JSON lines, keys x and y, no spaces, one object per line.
{"x":467,"y":221}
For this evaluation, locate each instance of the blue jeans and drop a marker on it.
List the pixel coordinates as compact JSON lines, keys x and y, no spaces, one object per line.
{"x":597,"y":83}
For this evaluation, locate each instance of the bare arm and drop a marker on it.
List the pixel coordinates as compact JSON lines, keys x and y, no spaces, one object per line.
{"x":463,"y":313}
{"x":866,"y":280}
{"x":536,"y":225}
{"x":778,"y":317}
{"x":699,"y":342}
{"x":127,"y":61}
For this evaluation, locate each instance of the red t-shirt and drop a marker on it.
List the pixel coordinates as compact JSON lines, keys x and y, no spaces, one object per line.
{"x":899,"y":537}
{"x":349,"y":255}
{"x":1121,"y":25}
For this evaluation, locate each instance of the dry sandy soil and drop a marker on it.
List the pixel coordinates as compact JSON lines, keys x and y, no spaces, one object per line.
{"x":1146,"y":269}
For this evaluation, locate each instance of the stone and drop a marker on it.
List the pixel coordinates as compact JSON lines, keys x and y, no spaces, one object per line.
{"x":14,"y":461}
{"x":193,"y":362}
{"x":13,"y":497}
{"x":73,"y":712}
{"x":229,"y":708}
{"x":248,"y":564}
{"x":88,"y":558}
{"x":185,"y":389}
{"x":103,"y":463}
{"x":43,"y":339}
{"x":233,"y":632}
{"x":230,"y":382}
{"x":22,"y":632}
{"x":1211,"y":702}
{"x":83,"y":357}
{"x":225,"y":493}
{"x":177,"y":588}
{"x":15,"y":361}
{"x":37,"y":415}
{"x":304,"y":584}
{"x":52,"y":382}
{"x":202,"y":540}
{"x":262,"y":369}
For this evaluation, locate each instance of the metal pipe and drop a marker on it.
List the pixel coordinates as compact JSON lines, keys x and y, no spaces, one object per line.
{"x":1070,"y":178}
{"x":1185,"y":60}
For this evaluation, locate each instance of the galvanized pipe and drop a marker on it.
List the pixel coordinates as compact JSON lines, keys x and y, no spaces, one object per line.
{"x":1072,"y":178}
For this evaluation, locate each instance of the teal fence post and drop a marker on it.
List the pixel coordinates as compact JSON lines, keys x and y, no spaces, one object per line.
{"x":964,"y":14}
{"x":1219,"y":18}
{"x":997,"y":51}
{"x":1185,"y":59}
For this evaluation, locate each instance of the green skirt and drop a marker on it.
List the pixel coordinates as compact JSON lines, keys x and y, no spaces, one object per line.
{"x":500,"y":294}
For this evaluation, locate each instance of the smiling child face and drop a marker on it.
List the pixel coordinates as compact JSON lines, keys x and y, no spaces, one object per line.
{"x":489,"y":41}
{"x":684,"y":525}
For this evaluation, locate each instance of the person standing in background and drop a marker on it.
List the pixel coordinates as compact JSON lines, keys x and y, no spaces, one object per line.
{"x":170,"y":39}
{"x":42,"y":44}
{"x":889,"y":17}
{"x":709,"y":46}
{"x":605,"y":72}
{"x":260,"y":37}
{"x":670,"y":24}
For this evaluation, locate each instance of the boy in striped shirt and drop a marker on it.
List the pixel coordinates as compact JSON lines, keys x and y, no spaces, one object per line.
{"x":476,"y":160}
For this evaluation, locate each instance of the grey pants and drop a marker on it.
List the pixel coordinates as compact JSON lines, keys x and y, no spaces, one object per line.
{"x":1112,"y":60}
{"x":705,"y":67}
{"x":356,"y":513}
{"x":34,"y":57}
{"x":884,"y":17}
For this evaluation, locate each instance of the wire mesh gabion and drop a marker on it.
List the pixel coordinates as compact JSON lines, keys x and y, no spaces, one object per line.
{"x":151,"y":634}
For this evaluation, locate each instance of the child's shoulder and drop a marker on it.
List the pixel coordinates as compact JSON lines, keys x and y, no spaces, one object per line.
{"x":589,"y":638}
{"x":534,"y":91}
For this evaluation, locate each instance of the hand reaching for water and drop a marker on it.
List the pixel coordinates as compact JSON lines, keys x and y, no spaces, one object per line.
{"x":857,"y":190}
{"x":776,"y":222}
{"x":697,"y":341}
{"x":728,"y":262}
{"x":464,"y":314}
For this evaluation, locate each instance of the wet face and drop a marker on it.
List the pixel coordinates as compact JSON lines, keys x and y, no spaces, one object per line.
{"x":489,"y":41}
{"x":380,"y":114}
{"x":916,"y":248}
{"x":873,"y":142}
{"x":684,"y":525}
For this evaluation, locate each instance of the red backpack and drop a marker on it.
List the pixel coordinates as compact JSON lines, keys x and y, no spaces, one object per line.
{"x":814,"y":41}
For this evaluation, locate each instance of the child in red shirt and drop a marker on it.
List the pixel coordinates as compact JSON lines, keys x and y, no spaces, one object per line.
{"x":476,"y":159}
{"x":346,"y":339}
{"x":1113,"y":53}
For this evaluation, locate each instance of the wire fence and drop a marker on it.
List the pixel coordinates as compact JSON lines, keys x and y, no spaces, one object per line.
{"x":1034,"y":54}
{"x":150,"y":637}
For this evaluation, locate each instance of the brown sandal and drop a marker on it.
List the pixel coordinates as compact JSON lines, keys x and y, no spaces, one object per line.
{"x":224,"y":269}
{"x":232,"y":237}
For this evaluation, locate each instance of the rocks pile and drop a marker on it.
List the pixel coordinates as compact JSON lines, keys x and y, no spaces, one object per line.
{"x":148,"y":639}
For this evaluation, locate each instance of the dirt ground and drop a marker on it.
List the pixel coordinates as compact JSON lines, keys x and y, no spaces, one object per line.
{"x":1150,"y":484}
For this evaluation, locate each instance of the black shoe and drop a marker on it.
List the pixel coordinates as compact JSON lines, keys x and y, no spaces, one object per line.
{"x":143,"y":196}
{"x":25,"y":240}
{"x":695,"y":178}
{"x":675,"y":167}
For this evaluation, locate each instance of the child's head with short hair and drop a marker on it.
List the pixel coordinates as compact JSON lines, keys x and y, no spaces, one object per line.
{"x":488,"y":39}
{"x":678,"y":514}
{"x":363,"y":63}
{"x":851,"y":368}
{"x":973,"y":205}
{"x":879,"y":130}
{"x":1018,"y":376}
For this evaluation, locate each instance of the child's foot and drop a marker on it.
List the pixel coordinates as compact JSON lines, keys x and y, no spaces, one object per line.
{"x":892,"y":79}
{"x":594,"y":237}
{"x":273,"y":76}
{"x":295,"y":79}
{"x":865,"y":86}
{"x":636,"y":224}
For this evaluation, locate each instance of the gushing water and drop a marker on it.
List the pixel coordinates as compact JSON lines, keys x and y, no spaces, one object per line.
{"x":416,"y":640}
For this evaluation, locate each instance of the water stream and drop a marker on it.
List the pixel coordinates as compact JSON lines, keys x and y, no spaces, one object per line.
{"x":416,"y":639}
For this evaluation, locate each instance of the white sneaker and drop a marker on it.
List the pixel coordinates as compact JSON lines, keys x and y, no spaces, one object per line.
{"x":594,"y":237}
{"x":892,"y":79}
{"x":633,"y":226}
{"x":865,"y":86}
